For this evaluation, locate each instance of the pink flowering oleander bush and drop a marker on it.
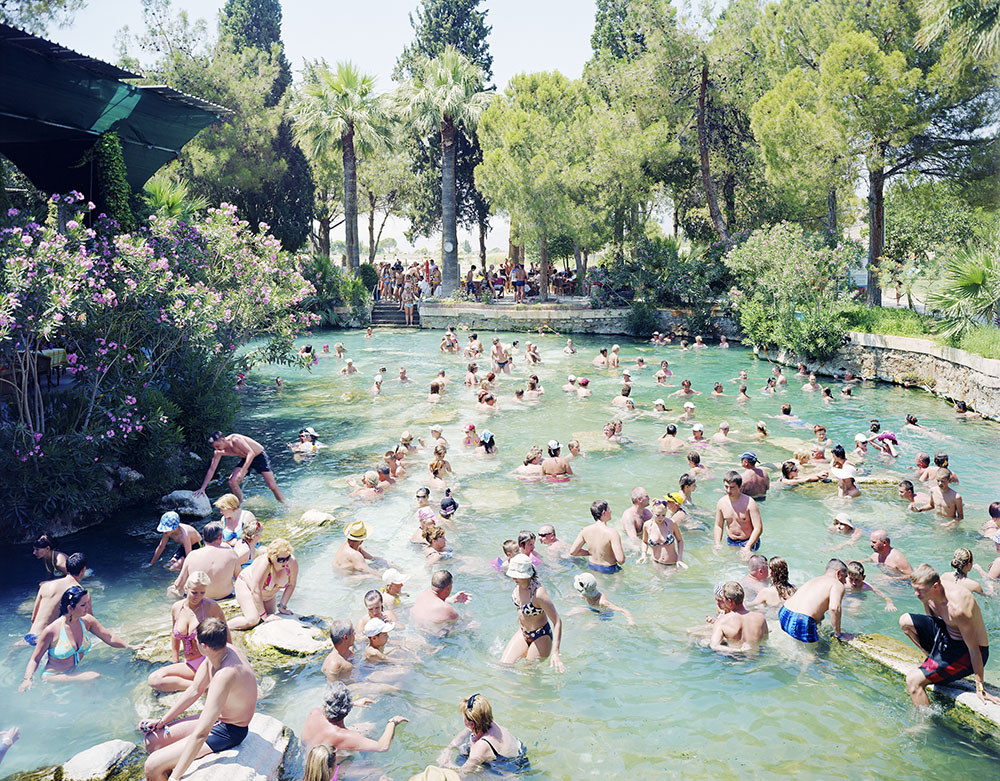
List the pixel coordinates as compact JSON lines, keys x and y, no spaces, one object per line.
{"x":155,"y":325}
{"x":789,"y":287}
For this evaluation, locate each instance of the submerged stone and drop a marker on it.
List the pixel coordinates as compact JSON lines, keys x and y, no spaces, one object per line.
{"x":186,"y":503}
{"x":288,"y":636}
{"x":111,"y":759}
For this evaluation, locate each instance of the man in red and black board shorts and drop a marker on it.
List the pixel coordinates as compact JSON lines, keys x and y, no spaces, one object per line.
{"x":952,"y":634}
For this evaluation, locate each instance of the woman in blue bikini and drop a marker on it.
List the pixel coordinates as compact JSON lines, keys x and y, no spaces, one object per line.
{"x":234,"y":520}
{"x":540,"y":628}
{"x":67,"y":640}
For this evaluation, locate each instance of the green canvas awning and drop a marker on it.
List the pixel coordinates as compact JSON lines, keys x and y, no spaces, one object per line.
{"x":54,"y":103}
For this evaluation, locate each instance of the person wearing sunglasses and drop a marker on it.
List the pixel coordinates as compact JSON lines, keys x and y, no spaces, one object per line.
{"x":258,"y":585}
{"x":483,"y":742}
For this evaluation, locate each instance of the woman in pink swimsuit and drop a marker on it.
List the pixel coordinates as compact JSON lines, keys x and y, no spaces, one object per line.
{"x":186,"y":613}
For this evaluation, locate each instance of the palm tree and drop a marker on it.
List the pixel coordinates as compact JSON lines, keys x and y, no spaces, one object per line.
{"x":970,"y":296}
{"x":167,"y":195}
{"x":341,"y":110}
{"x":446,"y":94}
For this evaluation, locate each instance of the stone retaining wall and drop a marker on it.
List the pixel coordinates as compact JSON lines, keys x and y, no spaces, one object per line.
{"x":945,"y":371}
{"x":568,"y":319}
{"x":557,"y":317}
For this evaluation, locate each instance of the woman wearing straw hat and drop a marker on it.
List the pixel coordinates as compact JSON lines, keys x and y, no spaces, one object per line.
{"x":258,"y":585}
{"x":540,"y":628}
{"x":351,"y":556}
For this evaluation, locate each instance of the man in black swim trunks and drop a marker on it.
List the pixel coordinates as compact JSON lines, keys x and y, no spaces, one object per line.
{"x":230,"y":687}
{"x":254,"y":457}
{"x":952,"y":634}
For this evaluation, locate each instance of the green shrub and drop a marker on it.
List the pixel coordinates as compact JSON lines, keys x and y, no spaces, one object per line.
{"x":886,"y":320}
{"x":982,"y":340}
{"x":641,"y":319}
{"x":369,"y":276}
{"x":816,"y":336}
{"x":112,"y":192}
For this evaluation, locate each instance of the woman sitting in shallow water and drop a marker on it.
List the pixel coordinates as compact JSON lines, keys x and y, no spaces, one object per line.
{"x":67,"y":640}
{"x":185,"y":615}
{"x":483,"y":742}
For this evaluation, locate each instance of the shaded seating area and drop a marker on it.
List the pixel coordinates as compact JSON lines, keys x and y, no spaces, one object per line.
{"x":55,"y":104}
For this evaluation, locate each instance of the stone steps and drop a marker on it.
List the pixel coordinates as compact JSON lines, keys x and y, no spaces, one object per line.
{"x":387,"y":313}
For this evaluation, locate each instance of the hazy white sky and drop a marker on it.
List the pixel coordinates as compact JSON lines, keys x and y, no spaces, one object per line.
{"x":528,"y":36}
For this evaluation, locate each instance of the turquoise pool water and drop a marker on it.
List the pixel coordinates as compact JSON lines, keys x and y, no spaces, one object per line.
{"x":633,"y":700}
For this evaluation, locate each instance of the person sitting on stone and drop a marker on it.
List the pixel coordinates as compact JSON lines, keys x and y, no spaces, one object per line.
{"x":218,"y":560}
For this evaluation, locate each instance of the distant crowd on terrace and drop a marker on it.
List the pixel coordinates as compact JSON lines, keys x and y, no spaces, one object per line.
{"x":422,"y":279}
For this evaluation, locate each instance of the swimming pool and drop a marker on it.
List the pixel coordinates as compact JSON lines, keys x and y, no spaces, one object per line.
{"x":643,"y":699}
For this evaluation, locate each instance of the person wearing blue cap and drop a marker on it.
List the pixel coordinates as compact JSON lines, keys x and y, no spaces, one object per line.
{"x":755,"y":480}
{"x":186,"y":537}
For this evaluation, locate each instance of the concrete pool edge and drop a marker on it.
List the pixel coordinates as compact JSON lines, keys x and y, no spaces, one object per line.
{"x":900,"y":657}
{"x":946,"y":372}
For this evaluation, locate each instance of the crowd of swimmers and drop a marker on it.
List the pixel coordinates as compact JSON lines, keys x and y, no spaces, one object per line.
{"x":226,"y":559}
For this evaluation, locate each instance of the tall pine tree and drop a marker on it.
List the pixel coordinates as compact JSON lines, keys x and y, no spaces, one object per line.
{"x":437,"y":24}
{"x":287,"y":203}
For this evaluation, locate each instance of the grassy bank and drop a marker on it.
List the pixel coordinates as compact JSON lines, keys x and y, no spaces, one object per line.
{"x":982,"y":340}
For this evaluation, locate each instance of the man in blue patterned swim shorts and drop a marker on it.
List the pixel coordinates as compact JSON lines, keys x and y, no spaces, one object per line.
{"x":807,"y":606}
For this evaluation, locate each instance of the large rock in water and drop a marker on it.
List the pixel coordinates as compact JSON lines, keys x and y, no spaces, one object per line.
{"x":258,"y":758}
{"x":316,"y":518}
{"x":186,"y":503}
{"x":289,"y":637}
{"x":103,"y":761}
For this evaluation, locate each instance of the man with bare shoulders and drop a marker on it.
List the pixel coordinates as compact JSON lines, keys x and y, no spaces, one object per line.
{"x":916,"y":498}
{"x":738,"y":629}
{"x":351,"y":556}
{"x":804,"y":609}
{"x":635,"y":516}
{"x":436,"y":604}
{"x":737,"y":515}
{"x":755,"y":480}
{"x":339,"y":663}
{"x":254,"y":457}
{"x":758,"y":577}
{"x":325,"y":725}
{"x":230,"y":687}
{"x":551,"y":545}
{"x":46,"y":609}
{"x":952,"y":634}
{"x":599,"y":542}
{"x":888,"y":558}
{"x":555,"y":465}
{"x":219,"y":561}
{"x":944,"y":500}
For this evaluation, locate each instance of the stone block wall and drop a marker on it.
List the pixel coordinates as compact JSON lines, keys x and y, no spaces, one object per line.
{"x":945,"y":371}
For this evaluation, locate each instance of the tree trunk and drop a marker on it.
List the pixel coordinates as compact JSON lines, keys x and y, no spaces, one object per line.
{"x":677,"y":221}
{"x":483,"y":228}
{"x":449,"y":228}
{"x":706,"y":174}
{"x":372,"y":244}
{"x":323,"y":237}
{"x":831,"y":215}
{"x":350,"y":199}
{"x":543,"y":274}
{"x":876,"y":233}
{"x":618,"y":240}
{"x":578,"y":260}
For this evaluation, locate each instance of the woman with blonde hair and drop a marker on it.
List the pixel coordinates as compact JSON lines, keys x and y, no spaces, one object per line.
{"x":780,"y":589}
{"x":321,"y":764}
{"x":484,"y":742}
{"x":246,"y":548}
{"x":962,"y":563}
{"x":258,"y":585}
{"x":185,"y":616}
{"x":234,"y":520}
